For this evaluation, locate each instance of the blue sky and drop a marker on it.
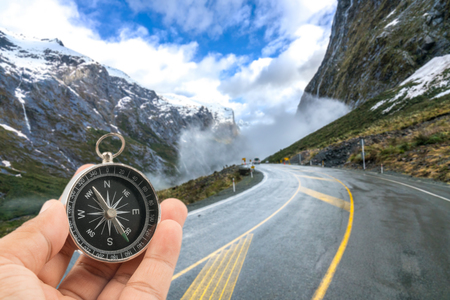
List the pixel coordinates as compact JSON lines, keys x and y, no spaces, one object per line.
{"x":253,"y":56}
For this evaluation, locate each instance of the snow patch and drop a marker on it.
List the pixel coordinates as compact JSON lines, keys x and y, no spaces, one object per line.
{"x":428,"y":76}
{"x":442,"y":94}
{"x":376,"y":105}
{"x":6,"y":163}
{"x":393,"y":23}
{"x":392,"y":12}
{"x":431,"y":76}
{"x":189,"y":106}
{"x":123,"y":102}
{"x":19,"y":133}
{"x":117,"y":73}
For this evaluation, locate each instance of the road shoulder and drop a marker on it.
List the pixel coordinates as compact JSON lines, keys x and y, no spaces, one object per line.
{"x":246,"y":183}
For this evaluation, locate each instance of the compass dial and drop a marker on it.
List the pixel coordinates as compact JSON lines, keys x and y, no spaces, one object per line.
{"x":113,"y":212}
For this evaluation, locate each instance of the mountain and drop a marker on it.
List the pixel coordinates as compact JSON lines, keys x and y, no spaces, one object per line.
{"x":390,"y":62}
{"x":55,"y":103}
{"x":376,"y":45}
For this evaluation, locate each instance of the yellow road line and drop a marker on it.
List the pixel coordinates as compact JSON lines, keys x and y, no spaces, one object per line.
{"x":312,"y":177}
{"x":209,"y":267}
{"x":238,"y":238}
{"x":218,"y":278}
{"x":326,"y":198}
{"x":227,"y":291}
{"x":325,"y":283}
{"x":215,"y":279}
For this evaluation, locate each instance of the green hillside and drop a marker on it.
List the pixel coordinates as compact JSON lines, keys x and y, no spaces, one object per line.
{"x":365,"y":121}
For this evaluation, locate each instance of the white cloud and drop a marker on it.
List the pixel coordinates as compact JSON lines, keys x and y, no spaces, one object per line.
{"x":198,"y":16}
{"x":258,"y":85}
{"x":281,"y":80}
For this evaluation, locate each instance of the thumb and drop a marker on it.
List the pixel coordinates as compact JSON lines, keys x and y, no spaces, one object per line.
{"x":38,"y":240}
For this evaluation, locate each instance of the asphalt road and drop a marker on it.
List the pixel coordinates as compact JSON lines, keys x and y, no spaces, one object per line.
{"x":302,"y":234}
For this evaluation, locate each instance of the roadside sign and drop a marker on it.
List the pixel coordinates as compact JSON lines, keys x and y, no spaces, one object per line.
{"x":363,"y":156}
{"x":253,"y":167}
{"x":244,"y":159}
{"x":286,"y":159}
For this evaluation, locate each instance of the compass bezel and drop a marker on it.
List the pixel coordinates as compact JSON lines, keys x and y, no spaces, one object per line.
{"x":139,"y":245}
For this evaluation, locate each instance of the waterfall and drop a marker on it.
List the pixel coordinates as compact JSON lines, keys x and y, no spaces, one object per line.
{"x":20,"y":96}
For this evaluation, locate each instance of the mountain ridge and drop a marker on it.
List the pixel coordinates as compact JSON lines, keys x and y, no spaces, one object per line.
{"x":376,"y":45}
{"x":55,"y":102}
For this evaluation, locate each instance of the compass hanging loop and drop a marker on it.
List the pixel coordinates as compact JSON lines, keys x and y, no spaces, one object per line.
{"x":108,"y":157}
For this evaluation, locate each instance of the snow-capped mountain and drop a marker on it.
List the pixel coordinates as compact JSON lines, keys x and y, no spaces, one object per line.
{"x":431,"y":81}
{"x":55,"y":103}
{"x":375,"y":46}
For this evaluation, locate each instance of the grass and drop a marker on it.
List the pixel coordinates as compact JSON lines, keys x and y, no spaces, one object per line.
{"x":202,"y":187}
{"x":363,"y":122}
{"x":25,"y":195}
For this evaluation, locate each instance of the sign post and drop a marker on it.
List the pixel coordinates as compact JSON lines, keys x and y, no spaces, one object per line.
{"x":234,"y":186}
{"x":381,"y":168}
{"x":244,"y":160}
{"x":364,"y":160}
{"x":251,"y":171}
{"x":299,"y":159}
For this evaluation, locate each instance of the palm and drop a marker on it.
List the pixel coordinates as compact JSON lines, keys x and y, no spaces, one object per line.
{"x":33,"y":260}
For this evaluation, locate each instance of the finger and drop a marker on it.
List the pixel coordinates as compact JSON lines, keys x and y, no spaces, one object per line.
{"x":87,"y":278}
{"x":115,"y":287}
{"x":171,"y":209}
{"x":153,"y":276}
{"x":53,"y":271}
{"x":38,"y":240}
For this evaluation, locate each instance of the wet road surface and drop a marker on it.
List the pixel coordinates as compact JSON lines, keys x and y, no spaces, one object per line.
{"x":318,"y":233}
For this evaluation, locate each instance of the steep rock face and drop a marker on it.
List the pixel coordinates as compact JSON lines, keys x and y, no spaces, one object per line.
{"x":377,"y":44}
{"x":55,"y":103}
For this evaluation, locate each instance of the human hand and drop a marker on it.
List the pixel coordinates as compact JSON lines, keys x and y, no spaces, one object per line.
{"x":34,"y":258}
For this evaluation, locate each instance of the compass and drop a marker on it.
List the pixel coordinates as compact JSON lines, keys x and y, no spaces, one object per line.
{"x":112,"y":209}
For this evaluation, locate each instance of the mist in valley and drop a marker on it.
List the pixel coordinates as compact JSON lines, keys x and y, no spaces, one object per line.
{"x":202,"y":152}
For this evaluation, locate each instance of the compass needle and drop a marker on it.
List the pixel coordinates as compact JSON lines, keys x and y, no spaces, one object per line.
{"x":119,"y":228}
{"x":107,"y":200}
{"x":100,"y":199}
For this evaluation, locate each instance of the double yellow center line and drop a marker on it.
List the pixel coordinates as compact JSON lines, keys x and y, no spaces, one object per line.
{"x":218,"y":277}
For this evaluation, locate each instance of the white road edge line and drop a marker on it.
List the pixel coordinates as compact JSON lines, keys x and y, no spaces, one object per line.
{"x":413,"y":187}
{"x":229,"y":199}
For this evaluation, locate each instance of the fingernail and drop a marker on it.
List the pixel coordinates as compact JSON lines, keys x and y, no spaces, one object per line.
{"x":46,"y":206}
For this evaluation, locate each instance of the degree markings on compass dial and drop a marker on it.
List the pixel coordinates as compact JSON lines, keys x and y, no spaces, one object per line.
{"x":102,"y":197}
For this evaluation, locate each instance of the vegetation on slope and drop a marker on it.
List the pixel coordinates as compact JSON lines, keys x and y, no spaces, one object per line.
{"x":26,"y":205}
{"x":413,"y":140}
{"x":202,"y":187}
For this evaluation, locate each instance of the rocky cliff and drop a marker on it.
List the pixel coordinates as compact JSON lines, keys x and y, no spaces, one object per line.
{"x":55,"y":103}
{"x":375,"y":45}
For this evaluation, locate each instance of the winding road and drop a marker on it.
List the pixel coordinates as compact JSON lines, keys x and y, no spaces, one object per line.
{"x":318,"y":233}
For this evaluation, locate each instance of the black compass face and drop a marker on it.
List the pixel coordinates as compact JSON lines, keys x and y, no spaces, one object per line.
{"x":113,"y":212}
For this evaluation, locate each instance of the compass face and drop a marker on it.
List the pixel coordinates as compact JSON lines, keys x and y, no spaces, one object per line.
{"x":113,"y":212}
